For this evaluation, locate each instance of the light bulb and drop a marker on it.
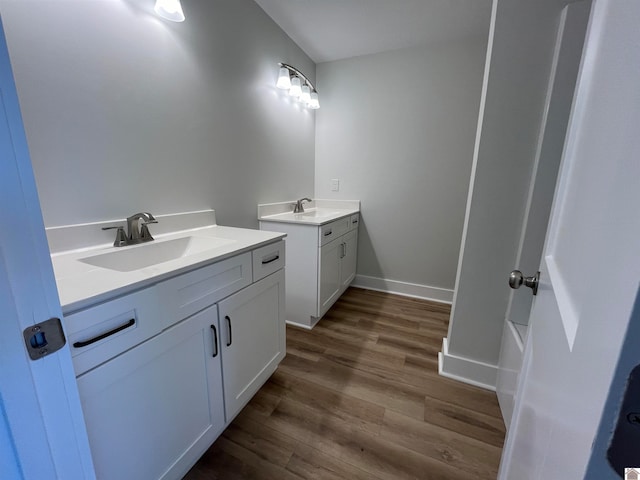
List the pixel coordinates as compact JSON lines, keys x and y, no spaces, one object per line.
{"x":169,"y":10}
{"x":284,"y":80}
{"x":295,"y":90}
{"x":313,"y":101}
{"x":305,"y":95}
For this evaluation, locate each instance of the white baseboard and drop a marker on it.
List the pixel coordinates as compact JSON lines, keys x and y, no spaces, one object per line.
{"x":466,"y":370}
{"x":312,"y":323}
{"x":299,"y":325}
{"x":414,"y":290}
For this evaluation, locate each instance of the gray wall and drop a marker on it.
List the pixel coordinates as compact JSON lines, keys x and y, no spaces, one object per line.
{"x":521,"y":57}
{"x":126,"y":112}
{"x":397,"y":129}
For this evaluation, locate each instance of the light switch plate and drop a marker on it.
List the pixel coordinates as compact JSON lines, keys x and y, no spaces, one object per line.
{"x":335,"y":185}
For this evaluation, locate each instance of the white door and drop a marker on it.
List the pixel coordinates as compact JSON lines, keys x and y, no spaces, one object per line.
{"x":590,"y":267}
{"x":42,"y":432}
{"x":562,"y":83}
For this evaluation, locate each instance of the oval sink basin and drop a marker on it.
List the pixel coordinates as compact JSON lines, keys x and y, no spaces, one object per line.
{"x":128,"y":259}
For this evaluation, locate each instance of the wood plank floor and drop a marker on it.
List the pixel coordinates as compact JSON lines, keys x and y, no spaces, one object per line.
{"x":359,"y":397}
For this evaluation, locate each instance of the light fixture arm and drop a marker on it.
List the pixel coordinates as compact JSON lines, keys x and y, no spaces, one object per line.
{"x":299,"y":74}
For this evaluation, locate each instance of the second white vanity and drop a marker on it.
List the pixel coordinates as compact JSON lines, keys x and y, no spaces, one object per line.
{"x":322,"y":251}
{"x":170,"y":339}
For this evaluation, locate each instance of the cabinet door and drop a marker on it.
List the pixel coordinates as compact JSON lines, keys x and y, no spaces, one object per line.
{"x":329,"y":275}
{"x":152,"y":411}
{"x":349,"y":258}
{"x":253,"y":339}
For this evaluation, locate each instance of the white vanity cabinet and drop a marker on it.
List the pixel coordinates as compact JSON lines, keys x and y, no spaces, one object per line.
{"x":152,"y":411}
{"x":337,"y":269}
{"x":321,"y":264}
{"x":192,"y":350}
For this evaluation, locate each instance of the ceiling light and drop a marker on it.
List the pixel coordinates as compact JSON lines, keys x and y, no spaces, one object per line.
{"x":298,"y":84}
{"x":169,"y":10}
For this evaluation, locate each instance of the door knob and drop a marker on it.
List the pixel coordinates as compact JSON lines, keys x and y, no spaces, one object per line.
{"x":516,"y":278}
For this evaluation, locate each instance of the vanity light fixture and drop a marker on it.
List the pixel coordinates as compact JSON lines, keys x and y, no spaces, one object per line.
{"x":298,"y":85}
{"x":305,"y":95}
{"x":284,"y":79}
{"x":169,"y":10}
{"x":314,"y":104}
{"x":295,"y":89}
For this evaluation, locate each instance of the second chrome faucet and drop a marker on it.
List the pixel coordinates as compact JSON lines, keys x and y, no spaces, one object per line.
{"x":137,"y":230}
{"x":298,"y":208}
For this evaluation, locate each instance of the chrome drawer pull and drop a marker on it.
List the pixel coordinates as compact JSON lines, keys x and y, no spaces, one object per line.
{"x":273,"y":259}
{"x":328,"y":233}
{"x":105,"y":335}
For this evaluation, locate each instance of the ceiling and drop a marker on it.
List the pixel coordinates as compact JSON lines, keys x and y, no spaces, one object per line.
{"x":330,"y":30}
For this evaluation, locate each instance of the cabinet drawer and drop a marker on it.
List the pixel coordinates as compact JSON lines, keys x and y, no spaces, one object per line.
{"x":333,"y":230}
{"x":101,"y":332}
{"x":354,"y":221}
{"x":268,"y":259}
{"x":191,"y":292}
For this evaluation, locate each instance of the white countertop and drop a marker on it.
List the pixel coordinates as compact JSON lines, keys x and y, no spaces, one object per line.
{"x":81,"y":284}
{"x":317,"y":212}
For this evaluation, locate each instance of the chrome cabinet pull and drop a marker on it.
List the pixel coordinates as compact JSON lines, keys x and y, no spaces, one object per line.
{"x":327,"y":233}
{"x":105,"y":335}
{"x":215,"y":341}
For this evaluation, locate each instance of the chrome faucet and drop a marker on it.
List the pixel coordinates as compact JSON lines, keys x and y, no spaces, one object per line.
{"x":137,"y":227}
{"x":299,"y":208}
{"x":138,"y":232}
